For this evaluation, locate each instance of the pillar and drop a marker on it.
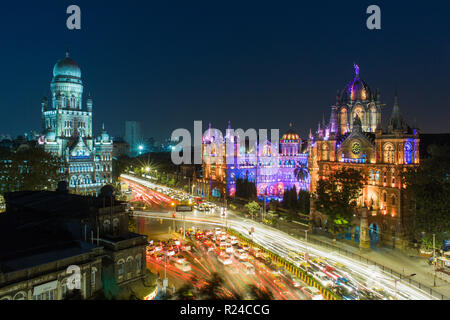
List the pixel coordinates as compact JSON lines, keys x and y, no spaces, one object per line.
{"x":364,"y":239}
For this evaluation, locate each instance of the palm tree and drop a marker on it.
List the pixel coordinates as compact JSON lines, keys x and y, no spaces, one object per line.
{"x":301,"y":172}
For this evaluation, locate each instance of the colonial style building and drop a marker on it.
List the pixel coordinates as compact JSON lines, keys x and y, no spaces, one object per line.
{"x":354,"y":138}
{"x":67,"y":131}
{"x":46,"y":233}
{"x":273,"y":168}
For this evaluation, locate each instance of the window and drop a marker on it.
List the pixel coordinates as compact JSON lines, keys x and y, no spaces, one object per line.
{"x":393,"y":200}
{"x":388,"y":153}
{"x":121,"y":267}
{"x":106,"y":225}
{"x":115,"y":225}
{"x":64,"y":288}
{"x":408,"y":151}
{"x":93,"y":276}
{"x":138,"y":263}
{"x":384,"y":197}
{"x":129,"y":266}
{"x":19,"y":296}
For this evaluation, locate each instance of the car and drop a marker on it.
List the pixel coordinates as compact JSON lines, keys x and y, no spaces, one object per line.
{"x":177,"y":258}
{"x":229,"y":248}
{"x":313,"y":293}
{"x":184,"y":266}
{"x":241,"y":254}
{"x":323,"y":279}
{"x":225,"y":259}
{"x":296,"y":282}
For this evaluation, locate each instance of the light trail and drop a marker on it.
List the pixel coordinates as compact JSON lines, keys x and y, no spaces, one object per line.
{"x":281,"y":243}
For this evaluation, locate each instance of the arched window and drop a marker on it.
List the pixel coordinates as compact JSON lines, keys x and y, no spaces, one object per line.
{"x":115,"y":225}
{"x":384,"y":197}
{"x":129,"y":266}
{"x":19,"y":296}
{"x":106,"y":225}
{"x":325,"y":152}
{"x":93,"y":276}
{"x":408,"y":152}
{"x":138,"y":263}
{"x":121,"y":267}
{"x":388,"y":153}
{"x":393,"y":200}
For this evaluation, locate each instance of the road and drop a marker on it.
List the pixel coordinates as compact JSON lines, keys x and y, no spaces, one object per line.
{"x":358,"y":273}
{"x":237,"y":277}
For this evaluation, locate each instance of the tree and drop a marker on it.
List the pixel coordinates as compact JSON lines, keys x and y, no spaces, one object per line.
{"x":304,"y":201}
{"x":336,"y":195}
{"x":429,"y":185}
{"x":253,"y":208}
{"x":245,"y":189}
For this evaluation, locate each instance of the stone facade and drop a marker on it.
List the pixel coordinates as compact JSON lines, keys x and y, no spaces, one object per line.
{"x":68,"y":133}
{"x":354,"y":138}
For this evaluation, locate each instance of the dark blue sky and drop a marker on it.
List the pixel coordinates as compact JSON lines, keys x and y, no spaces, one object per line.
{"x":260,"y":64}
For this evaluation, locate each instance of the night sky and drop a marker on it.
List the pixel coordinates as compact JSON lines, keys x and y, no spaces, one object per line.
{"x":260,"y":64}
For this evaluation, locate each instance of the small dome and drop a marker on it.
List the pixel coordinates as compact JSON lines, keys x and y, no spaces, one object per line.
{"x":290,"y":134}
{"x":66,"y":68}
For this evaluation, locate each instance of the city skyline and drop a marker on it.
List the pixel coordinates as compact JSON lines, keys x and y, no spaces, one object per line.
{"x":162,"y":67}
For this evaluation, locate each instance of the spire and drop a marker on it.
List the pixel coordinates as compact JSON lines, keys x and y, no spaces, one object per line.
{"x":310,"y":133}
{"x":67,"y":51}
{"x":229,"y":124}
{"x":356,"y":67}
{"x":396,"y":122}
{"x":103,"y":126}
{"x":290,"y":124}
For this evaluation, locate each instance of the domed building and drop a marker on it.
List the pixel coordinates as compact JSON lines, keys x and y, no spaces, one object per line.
{"x":67,"y":131}
{"x":272,"y":167}
{"x":354,"y":138}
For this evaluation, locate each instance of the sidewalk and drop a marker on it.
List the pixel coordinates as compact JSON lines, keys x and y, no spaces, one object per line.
{"x":398,"y":261}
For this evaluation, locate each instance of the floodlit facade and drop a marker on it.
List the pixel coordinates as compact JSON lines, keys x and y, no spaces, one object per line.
{"x":67,"y":131}
{"x":354,"y":138}
{"x":273,"y":168}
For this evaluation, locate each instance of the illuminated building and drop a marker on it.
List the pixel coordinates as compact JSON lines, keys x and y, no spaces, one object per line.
{"x":67,"y":131}
{"x":272,"y":168}
{"x":354,"y":138}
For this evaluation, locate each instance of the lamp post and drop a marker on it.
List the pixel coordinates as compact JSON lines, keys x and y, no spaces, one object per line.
{"x":434,"y":259}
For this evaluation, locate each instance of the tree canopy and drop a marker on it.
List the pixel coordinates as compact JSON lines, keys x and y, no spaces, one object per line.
{"x":336,"y":195}
{"x":429,"y":185}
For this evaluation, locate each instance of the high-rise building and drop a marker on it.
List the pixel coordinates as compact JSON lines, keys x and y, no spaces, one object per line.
{"x":133,"y":137}
{"x":67,"y":131}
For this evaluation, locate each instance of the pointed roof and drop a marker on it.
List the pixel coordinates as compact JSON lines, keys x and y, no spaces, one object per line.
{"x":80,"y":148}
{"x":396,"y":122}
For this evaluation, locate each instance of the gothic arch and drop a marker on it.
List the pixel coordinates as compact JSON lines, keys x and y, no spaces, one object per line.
{"x":388,"y":152}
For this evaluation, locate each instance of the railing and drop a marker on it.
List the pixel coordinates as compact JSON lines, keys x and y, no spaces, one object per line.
{"x":308,"y":279}
{"x":402,"y":278}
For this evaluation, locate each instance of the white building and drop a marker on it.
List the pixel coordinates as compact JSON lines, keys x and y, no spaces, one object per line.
{"x":67,"y":131}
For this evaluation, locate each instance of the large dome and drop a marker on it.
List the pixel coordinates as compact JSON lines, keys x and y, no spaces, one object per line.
{"x":66,"y":68}
{"x":356,"y":89}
